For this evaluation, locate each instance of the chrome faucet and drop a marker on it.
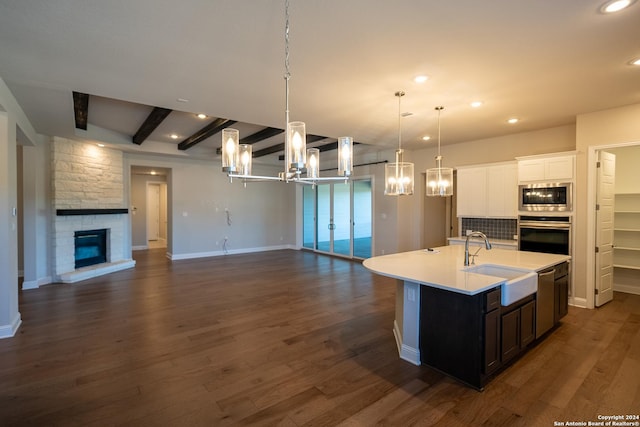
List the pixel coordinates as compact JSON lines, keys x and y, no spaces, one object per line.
{"x":466,"y":245}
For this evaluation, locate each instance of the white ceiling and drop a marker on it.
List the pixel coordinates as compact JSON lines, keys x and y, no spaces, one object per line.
{"x":542,"y":61}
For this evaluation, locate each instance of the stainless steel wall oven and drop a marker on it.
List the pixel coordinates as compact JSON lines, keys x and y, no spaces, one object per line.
{"x":549,"y":234}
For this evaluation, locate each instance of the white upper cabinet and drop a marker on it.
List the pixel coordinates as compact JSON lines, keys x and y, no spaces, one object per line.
{"x":472,"y":188}
{"x":556,"y":168}
{"x":489,"y":191}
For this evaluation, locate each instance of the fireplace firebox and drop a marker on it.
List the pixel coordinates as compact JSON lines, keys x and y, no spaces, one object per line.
{"x":90,"y":247}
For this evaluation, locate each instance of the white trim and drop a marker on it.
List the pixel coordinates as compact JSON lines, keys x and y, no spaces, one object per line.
{"x":548,"y":155}
{"x":410,"y":354}
{"x":8,"y":331}
{"x":31,"y":284}
{"x":397,"y":334}
{"x":173,"y":257}
{"x":35,"y":284}
{"x":140,"y":248}
{"x":579,"y":302}
{"x":628,"y":289}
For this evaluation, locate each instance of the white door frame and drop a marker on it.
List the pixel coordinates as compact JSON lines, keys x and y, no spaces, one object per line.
{"x":592,"y":158}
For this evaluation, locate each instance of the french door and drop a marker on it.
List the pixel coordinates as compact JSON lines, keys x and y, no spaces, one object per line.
{"x":337,"y":218}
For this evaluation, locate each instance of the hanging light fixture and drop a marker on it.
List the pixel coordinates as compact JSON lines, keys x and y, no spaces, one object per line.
{"x":439,"y":179}
{"x":237,"y":158}
{"x":398,"y":176}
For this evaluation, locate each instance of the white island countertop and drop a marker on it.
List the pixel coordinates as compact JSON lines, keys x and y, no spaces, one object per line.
{"x":443,"y":267}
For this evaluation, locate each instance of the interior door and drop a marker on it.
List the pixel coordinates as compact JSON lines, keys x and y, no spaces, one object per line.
{"x":606,"y":172}
{"x":153,"y":211}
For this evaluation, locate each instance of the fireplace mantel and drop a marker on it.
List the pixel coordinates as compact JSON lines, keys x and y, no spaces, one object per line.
{"x":108,"y":211}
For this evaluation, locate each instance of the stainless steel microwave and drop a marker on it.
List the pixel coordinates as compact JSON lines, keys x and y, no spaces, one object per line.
{"x":545,"y":197}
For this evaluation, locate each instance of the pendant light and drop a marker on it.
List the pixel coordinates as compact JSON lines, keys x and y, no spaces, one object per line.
{"x":439,"y":179}
{"x":398,"y":176}
{"x":298,"y":160}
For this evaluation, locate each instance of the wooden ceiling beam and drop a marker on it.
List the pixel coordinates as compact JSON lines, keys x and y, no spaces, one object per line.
{"x":280,"y":147}
{"x":152,"y":121}
{"x":261,"y":135}
{"x":257,"y":137}
{"x":81,"y":109}
{"x":325,"y":147}
{"x":211,"y":129}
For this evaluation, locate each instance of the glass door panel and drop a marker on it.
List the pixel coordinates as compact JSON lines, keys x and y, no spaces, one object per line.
{"x":337,"y":218}
{"x":362,"y":218}
{"x":342,"y":219}
{"x":308,"y":217}
{"x":324,"y":225}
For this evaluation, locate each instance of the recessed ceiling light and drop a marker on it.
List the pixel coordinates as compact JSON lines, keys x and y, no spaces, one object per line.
{"x":174,"y":136}
{"x":615,"y":5}
{"x":476,"y":104}
{"x":100,"y":145}
{"x":420,"y":79}
{"x":182,"y":100}
{"x":512,"y":120}
{"x":152,"y":172}
{"x":426,"y":138}
{"x":201,"y":116}
{"x":635,"y":61}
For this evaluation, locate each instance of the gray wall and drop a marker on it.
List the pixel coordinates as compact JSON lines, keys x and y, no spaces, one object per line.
{"x":199,"y":196}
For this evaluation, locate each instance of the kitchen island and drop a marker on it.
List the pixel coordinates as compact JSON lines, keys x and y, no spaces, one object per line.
{"x":454,"y":319}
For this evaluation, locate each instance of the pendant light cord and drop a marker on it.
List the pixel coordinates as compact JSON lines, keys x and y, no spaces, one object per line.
{"x":439,"y":109}
{"x":287,"y":76}
{"x":287,"y":72}
{"x":399,"y":94}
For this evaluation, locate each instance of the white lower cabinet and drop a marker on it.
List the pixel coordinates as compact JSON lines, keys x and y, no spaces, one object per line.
{"x":488,"y":191}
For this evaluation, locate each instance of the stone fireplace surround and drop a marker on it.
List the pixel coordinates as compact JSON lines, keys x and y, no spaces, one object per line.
{"x":88,"y":194}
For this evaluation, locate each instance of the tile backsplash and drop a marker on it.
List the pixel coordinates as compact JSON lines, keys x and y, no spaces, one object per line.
{"x":493,"y":228}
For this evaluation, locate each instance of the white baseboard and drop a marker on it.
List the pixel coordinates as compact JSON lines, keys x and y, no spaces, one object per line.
{"x":578,"y":302}
{"x":7,"y":331}
{"x":140,"y":248}
{"x":410,"y":354}
{"x":175,"y":257}
{"x":398,"y":335}
{"x":628,"y":289}
{"x":35,"y":284}
{"x":31,"y":284}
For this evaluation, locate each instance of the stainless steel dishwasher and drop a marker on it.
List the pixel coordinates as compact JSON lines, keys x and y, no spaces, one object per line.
{"x":545,"y":301}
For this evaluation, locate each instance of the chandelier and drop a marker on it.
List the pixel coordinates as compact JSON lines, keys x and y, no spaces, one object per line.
{"x":439,"y":179}
{"x":301,"y":165}
{"x":398,"y":176}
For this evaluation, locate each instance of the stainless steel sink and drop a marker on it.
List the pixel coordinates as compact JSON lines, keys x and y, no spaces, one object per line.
{"x":518,"y":283}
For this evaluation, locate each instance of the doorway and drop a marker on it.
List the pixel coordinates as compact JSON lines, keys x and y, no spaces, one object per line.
{"x":150,"y":207}
{"x":619,"y":269}
{"x":337,"y":218}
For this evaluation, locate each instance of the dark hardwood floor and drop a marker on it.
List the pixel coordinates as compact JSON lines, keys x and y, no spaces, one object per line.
{"x":284,"y":338}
